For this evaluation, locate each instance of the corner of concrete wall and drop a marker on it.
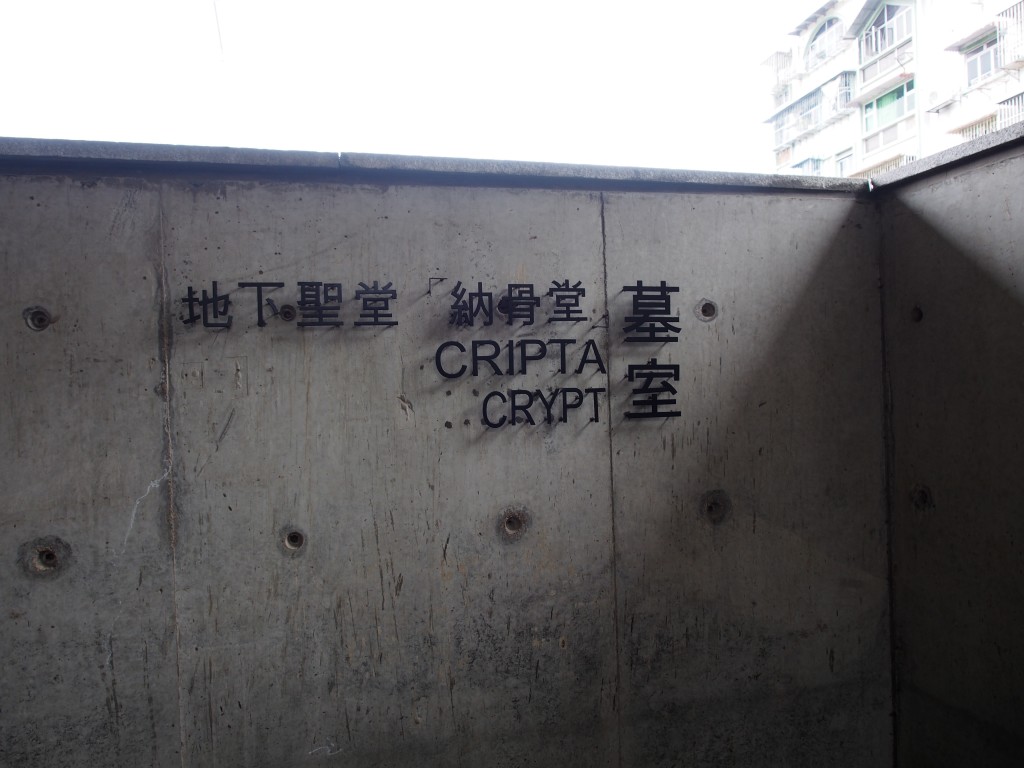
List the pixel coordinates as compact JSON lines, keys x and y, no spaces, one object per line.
{"x":954,"y":337}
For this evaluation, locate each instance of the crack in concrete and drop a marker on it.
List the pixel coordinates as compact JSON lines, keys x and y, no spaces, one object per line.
{"x":153,"y":485}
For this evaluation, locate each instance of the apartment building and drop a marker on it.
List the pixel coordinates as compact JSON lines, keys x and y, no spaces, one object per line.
{"x":865,"y":87}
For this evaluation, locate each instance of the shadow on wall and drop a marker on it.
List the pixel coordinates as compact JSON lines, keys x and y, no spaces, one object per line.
{"x":955,"y":359}
{"x":754,"y":621}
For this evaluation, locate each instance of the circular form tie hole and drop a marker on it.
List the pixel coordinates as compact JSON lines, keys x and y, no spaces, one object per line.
{"x":917,"y":314}
{"x":47,"y":558}
{"x":504,"y":305}
{"x":715,"y":505}
{"x":294,"y":540}
{"x":705,"y":310}
{"x":513,"y":522}
{"x":37,"y":318}
{"x":287,"y":312}
{"x":921,"y":498}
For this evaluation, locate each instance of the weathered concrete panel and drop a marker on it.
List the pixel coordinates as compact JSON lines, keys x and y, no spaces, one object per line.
{"x":753,"y":621}
{"x":411,"y":626}
{"x":308,"y":543}
{"x":89,"y":676}
{"x":955,"y":313}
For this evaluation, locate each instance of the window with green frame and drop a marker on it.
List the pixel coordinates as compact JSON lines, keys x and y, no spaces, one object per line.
{"x":889,"y":107}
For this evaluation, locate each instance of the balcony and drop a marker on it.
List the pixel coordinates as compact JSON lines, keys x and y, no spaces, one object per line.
{"x":794,"y":73}
{"x":827,"y":42}
{"x":1010,"y":111}
{"x":884,"y":167}
{"x":1011,"y":37}
{"x":887,"y":44}
{"x":978,"y":128}
{"x":780,"y":64}
{"x":815,"y":110}
{"x":886,"y":33}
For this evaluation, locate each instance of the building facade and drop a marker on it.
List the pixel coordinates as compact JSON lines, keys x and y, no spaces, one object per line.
{"x":865,"y":87}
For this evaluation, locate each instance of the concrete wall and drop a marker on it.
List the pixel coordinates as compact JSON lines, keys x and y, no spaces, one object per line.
{"x":954,"y":303}
{"x":709,"y":588}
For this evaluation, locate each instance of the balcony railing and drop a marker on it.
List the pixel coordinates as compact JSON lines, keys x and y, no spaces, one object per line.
{"x":1011,"y":37}
{"x":781,"y":65}
{"x":815,"y":109}
{"x":1011,"y":111}
{"x":825,"y":46}
{"x":889,"y":165}
{"x":979,"y":128}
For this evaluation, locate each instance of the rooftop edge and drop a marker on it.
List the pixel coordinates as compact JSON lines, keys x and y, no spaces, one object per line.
{"x":119,"y":156}
{"x":67,"y":152}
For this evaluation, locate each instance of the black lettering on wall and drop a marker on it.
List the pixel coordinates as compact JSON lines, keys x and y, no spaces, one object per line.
{"x":486,"y":419}
{"x":591,"y":356}
{"x":437,"y":360}
{"x":479,"y":356}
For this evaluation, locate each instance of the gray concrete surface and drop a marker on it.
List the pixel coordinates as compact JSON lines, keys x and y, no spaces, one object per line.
{"x":955,"y":315}
{"x":275,"y":546}
{"x":757,"y":634}
{"x":349,"y":167}
{"x":89,"y":632}
{"x":954,"y":157}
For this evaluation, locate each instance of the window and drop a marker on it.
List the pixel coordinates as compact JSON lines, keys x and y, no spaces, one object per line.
{"x":890,"y":107}
{"x":844,"y":163}
{"x":825,"y":43}
{"x":982,"y":60}
{"x":799,"y":118}
{"x":892,"y":25}
{"x":782,"y":95}
{"x":809,"y":167}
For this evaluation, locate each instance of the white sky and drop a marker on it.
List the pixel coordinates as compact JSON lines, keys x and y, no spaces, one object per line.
{"x":657,"y":83}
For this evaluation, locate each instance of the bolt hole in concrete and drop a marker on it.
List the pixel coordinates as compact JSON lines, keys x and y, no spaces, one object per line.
{"x":513,"y":522}
{"x":921,"y":497}
{"x":291,"y":541}
{"x":287,"y":312}
{"x":37,"y":318}
{"x":706,"y":310}
{"x":45,"y":557}
{"x":917,"y":314}
{"x":715,"y":505}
